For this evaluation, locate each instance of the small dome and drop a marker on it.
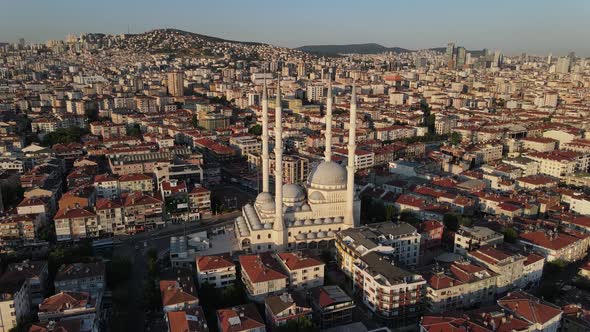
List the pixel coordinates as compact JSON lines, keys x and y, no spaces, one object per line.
{"x":317,"y":196}
{"x":311,"y":235}
{"x":328,"y":175}
{"x":318,"y":221}
{"x":300,"y":236}
{"x":331,"y":233}
{"x":298,"y":223}
{"x":321,"y":235}
{"x":263,"y":198}
{"x":328,"y":221}
{"x":308,"y":222}
{"x":305,"y":208}
{"x":337,"y":220}
{"x":268,"y":207}
{"x":293,"y":192}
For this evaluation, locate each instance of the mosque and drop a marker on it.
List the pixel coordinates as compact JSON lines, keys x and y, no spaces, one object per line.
{"x":301,"y":217}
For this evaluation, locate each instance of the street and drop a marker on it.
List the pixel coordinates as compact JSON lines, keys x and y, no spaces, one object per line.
{"x":159,"y":240}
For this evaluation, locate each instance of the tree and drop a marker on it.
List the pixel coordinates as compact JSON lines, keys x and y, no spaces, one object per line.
{"x":302,"y":324}
{"x":451,"y":222}
{"x":64,"y":136}
{"x":195,"y":121}
{"x":255,"y":130}
{"x":430,"y":123}
{"x":134,"y":130}
{"x":118,"y":271}
{"x":510,"y":235}
{"x":390,"y":212}
{"x":455,"y":138}
{"x":409,"y":217}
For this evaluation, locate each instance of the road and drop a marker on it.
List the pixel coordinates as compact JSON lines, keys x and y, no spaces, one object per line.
{"x":159,"y":240}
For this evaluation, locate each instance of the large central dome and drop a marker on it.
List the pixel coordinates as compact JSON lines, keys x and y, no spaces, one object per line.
{"x":328,"y":175}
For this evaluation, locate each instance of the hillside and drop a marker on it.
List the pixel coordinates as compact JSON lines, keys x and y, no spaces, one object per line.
{"x":331,"y":50}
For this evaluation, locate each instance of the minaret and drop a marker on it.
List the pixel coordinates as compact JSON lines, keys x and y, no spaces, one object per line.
{"x":349,"y":218}
{"x":278,"y":224}
{"x":328,"y":152}
{"x":265,"y":157}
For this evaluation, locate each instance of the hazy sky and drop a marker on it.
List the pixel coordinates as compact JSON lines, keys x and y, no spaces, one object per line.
{"x":513,"y":26}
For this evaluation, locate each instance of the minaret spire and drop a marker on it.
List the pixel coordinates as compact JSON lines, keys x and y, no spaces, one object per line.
{"x":278,"y":226}
{"x":265,"y":157}
{"x":350,"y":213}
{"x":328,"y":152}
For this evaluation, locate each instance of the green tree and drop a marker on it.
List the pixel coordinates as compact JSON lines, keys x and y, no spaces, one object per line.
{"x":134,"y":130}
{"x":255,"y":130}
{"x":303,"y":324}
{"x":510,"y":235}
{"x":195,"y":121}
{"x":64,"y":136}
{"x":455,"y":138}
{"x":430,"y":123}
{"x":451,"y":222}
{"x":390,"y":212}
{"x":409,"y":217}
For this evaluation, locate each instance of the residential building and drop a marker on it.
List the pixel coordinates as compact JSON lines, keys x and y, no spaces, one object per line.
{"x":469,"y":238}
{"x":81,"y":277}
{"x":262,"y":275}
{"x":304,"y":272}
{"x":399,"y":240}
{"x":387,"y":290}
{"x":283,"y":308}
{"x":331,"y":306}
{"x":243,"y":318}
{"x":218,"y":270}
{"x":178,"y":295}
{"x":463,"y":285}
{"x":568,"y":247}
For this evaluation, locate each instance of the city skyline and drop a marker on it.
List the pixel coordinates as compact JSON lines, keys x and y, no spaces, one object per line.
{"x":512,"y":28}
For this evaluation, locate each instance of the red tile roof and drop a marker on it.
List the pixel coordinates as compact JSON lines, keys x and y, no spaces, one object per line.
{"x":261,"y":268}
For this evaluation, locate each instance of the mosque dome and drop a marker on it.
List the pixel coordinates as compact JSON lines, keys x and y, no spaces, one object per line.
{"x":293,"y":193}
{"x":268,"y":207}
{"x":328,"y":175}
{"x":317,"y":196}
{"x":263,"y":198}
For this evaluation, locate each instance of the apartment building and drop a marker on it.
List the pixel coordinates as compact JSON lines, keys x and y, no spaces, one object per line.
{"x":331,"y":306}
{"x":218,"y":270}
{"x":142,"y":212}
{"x":284,"y":308}
{"x":462,"y":285}
{"x":129,"y":183}
{"x":199,"y":203}
{"x":107,"y":186}
{"x":68,"y":305}
{"x":75,"y":223}
{"x":177,"y":296}
{"x":559,"y":163}
{"x":242,"y":318}
{"x":304,"y":272}
{"x":262,"y":275}
{"x":570,"y":247}
{"x":81,"y":277}
{"x":514,"y":270}
{"x":469,"y":238}
{"x":387,"y":290}
{"x":110,"y":216}
{"x":401,"y":241}
{"x":246,"y":144}
{"x":15,"y":298}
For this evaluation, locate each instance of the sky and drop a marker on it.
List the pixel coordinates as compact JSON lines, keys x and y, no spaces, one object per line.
{"x":512,"y":26}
